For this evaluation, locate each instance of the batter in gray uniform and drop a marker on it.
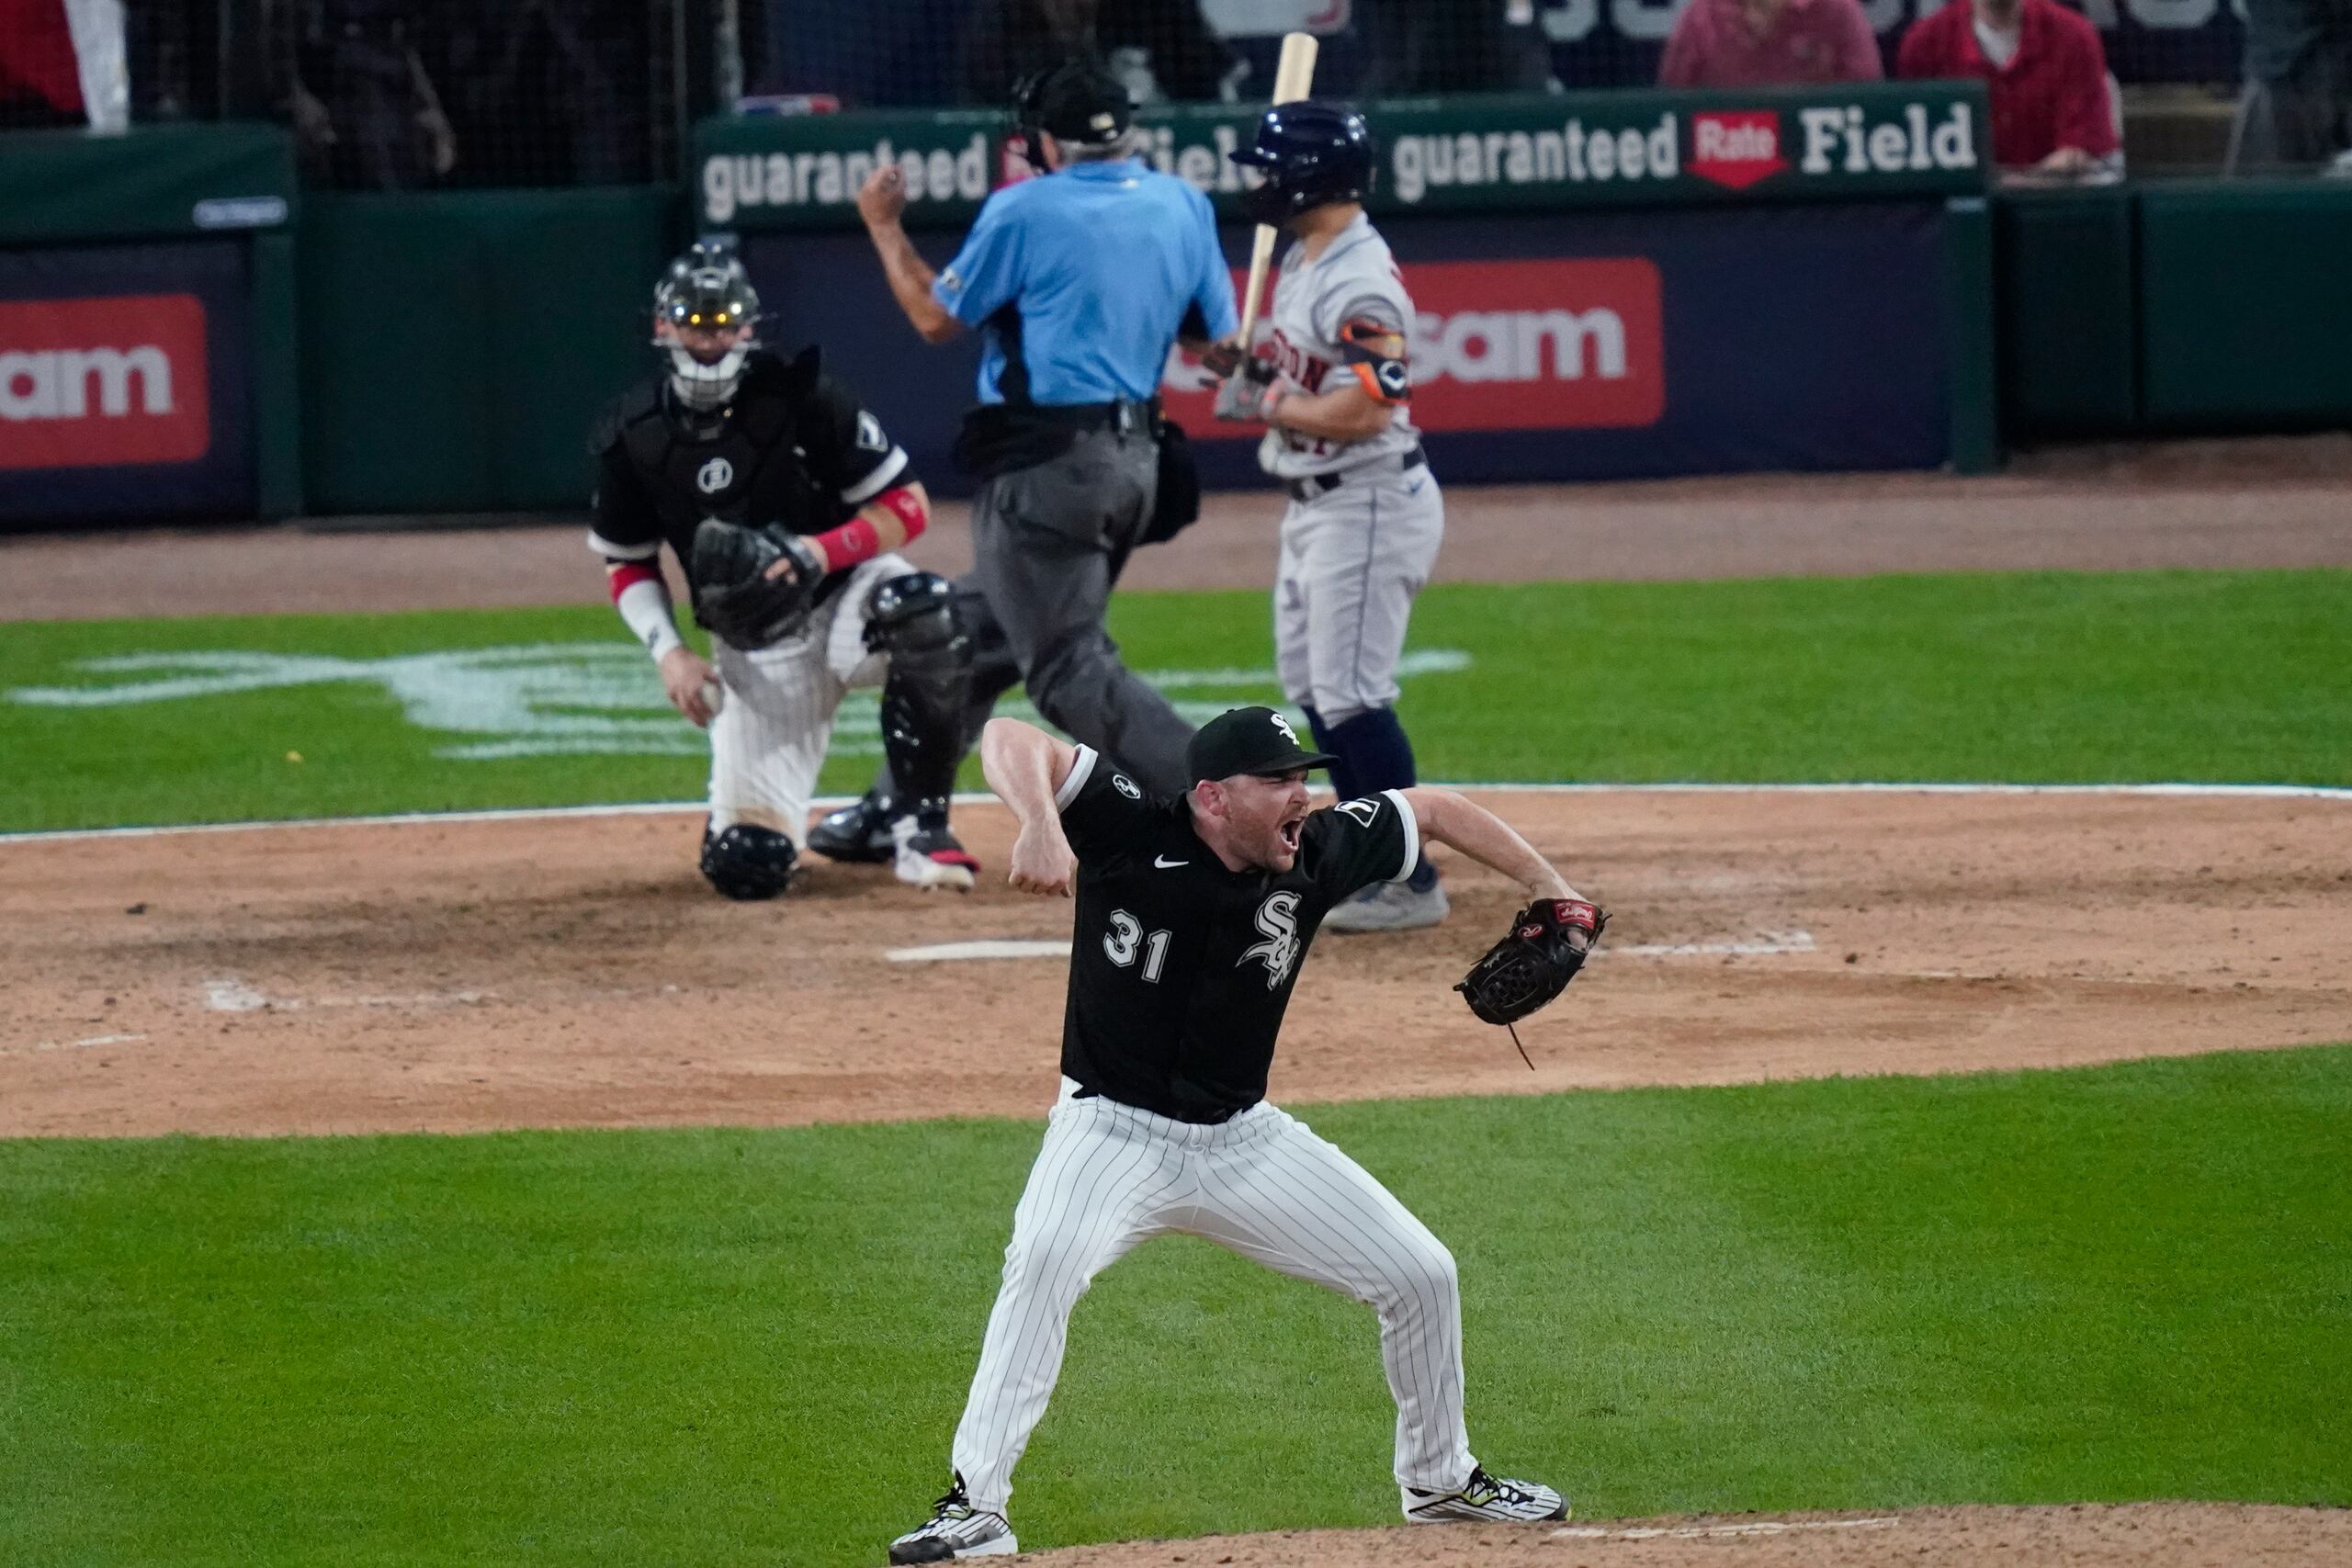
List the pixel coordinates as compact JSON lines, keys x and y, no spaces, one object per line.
{"x":1329,"y":379}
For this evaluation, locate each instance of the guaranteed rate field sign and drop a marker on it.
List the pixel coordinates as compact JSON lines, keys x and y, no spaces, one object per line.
{"x":1472,"y":154}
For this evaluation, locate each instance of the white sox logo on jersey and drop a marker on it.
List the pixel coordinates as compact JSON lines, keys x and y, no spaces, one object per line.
{"x":715,"y":476}
{"x":1278,"y":918}
{"x":1363,"y":811}
{"x":1126,"y":787}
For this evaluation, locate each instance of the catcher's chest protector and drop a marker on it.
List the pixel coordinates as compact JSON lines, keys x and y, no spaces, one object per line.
{"x":751,"y":471}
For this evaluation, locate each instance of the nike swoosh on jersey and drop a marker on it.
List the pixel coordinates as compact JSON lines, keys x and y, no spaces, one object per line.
{"x":1162,"y":863}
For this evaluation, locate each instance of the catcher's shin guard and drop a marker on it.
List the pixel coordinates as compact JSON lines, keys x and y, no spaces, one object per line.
{"x":912,"y":619}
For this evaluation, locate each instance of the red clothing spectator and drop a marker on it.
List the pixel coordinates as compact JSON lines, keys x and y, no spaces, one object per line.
{"x":1765,"y":43}
{"x":37,"y":56}
{"x":2050,"y":102}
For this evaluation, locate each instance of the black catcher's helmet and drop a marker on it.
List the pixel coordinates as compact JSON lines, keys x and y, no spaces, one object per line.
{"x":706,"y":291}
{"x":1310,"y":153}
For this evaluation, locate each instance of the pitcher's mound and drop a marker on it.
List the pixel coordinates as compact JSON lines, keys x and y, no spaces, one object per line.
{"x":2080,"y":1535}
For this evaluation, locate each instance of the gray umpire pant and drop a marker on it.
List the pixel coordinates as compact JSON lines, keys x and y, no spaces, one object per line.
{"x":1048,"y":542}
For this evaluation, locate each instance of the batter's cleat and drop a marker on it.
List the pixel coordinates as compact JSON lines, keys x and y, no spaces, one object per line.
{"x":925,"y":854}
{"x":1389,"y":907}
{"x":1486,"y":1499}
{"x":956,"y":1530}
{"x":859,"y":832}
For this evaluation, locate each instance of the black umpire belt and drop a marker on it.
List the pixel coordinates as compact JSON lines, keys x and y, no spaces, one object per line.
{"x":1124,"y":415}
{"x":1314,"y":485}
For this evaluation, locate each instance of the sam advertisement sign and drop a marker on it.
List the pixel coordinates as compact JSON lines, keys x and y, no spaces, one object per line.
{"x":124,"y":383}
{"x":1545,"y":347}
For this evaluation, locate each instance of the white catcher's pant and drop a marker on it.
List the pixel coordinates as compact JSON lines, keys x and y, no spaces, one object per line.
{"x":770,"y":736}
{"x":1110,"y":1176}
{"x":1352,"y":560}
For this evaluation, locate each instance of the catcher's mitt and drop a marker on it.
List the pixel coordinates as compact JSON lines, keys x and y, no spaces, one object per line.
{"x":735,"y":597}
{"x":1548,"y":942}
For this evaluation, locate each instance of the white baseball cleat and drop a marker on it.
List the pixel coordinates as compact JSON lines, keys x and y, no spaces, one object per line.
{"x":926,"y":855}
{"x":956,"y":1530}
{"x":1389,"y":907}
{"x":1487,"y":1499}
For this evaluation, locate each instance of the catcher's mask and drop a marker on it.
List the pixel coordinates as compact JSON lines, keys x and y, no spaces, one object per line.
{"x":706,"y":317}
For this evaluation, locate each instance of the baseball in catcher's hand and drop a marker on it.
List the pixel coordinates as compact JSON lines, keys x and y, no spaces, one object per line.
{"x":1042,"y":861}
{"x":691,"y":684}
{"x":1548,"y":942}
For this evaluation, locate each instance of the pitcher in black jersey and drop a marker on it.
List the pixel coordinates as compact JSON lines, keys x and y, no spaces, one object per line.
{"x":728,"y":430}
{"x":1193,"y":918}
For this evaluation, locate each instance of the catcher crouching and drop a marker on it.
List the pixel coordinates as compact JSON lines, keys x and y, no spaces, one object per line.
{"x":782,"y":499}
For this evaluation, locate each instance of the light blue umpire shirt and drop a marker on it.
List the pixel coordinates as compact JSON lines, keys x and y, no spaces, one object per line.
{"x":1079,"y":280}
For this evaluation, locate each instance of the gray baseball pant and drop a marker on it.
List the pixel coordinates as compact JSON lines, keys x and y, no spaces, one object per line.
{"x":1048,"y":542}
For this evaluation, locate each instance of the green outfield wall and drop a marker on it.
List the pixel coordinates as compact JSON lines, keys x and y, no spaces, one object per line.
{"x":445,"y":351}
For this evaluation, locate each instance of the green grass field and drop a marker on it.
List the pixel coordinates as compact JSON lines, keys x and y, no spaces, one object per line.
{"x":728,"y":1347}
{"x":750,"y":1347}
{"x":2225,"y":677}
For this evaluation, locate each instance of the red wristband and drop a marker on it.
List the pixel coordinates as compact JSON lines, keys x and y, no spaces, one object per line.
{"x":627,"y":575}
{"x":908,"y":508}
{"x":844,"y":547}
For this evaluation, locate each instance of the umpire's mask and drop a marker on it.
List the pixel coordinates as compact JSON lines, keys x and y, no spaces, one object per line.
{"x":705,"y":315}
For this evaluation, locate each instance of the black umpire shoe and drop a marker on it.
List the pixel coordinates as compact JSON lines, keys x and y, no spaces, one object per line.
{"x":858,"y":833}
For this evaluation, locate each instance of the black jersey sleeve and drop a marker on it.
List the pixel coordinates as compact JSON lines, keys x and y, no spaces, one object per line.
{"x":1102,"y":808}
{"x":624,"y":523}
{"x":1358,"y":842}
{"x":849,"y":454}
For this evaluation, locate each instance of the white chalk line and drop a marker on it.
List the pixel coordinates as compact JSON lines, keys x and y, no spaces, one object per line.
{"x":94,"y":1040}
{"x":1693,"y":1533}
{"x":1766,"y":943}
{"x":229,"y":994}
{"x":978,"y":797}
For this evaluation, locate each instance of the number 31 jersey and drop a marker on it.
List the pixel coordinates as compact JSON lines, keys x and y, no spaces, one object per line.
{"x":1180,"y":969}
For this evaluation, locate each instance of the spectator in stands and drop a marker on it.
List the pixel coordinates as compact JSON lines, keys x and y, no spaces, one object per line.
{"x":362,"y":103}
{"x":39,"y":83}
{"x":1162,"y":51}
{"x":1453,"y":46}
{"x":2298,"y":105}
{"x":2054,"y":115}
{"x":1767,"y":43}
{"x":549,"y":91}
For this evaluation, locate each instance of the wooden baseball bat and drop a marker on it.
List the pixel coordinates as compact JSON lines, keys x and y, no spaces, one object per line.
{"x":1293,"y":79}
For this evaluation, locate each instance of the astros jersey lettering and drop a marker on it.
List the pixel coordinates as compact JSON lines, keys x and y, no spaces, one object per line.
{"x":1343,"y":313}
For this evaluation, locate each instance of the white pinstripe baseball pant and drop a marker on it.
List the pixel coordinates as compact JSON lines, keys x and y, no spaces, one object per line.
{"x":1110,"y":1176}
{"x":769,"y":739}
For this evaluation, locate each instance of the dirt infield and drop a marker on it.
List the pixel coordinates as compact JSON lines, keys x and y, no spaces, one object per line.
{"x":2260,"y":502}
{"x":2137,"y":1534}
{"x":576,"y":972}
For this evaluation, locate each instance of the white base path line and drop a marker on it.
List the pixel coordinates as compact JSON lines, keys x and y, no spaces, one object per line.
{"x":1692,"y":1532}
{"x":229,"y":994}
{"x":1766,"y":943}
{"x":948,"y":952}
{"x":827,"y":803}
{"x":78,"y":1045}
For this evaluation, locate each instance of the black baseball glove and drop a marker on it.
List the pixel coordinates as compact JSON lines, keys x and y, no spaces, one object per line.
{"x":1548,"y":942}
{"x":738,"y":596}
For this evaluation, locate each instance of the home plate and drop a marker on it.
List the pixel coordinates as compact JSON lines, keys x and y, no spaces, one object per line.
{"x":1058,"y":947}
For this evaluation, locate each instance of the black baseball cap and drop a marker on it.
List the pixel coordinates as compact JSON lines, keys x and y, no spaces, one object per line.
{"x":1082,"y":103}
{"x":1249,"y":740}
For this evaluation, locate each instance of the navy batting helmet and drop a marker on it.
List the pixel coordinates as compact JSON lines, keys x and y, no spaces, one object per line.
{"x":1310,"y":153}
